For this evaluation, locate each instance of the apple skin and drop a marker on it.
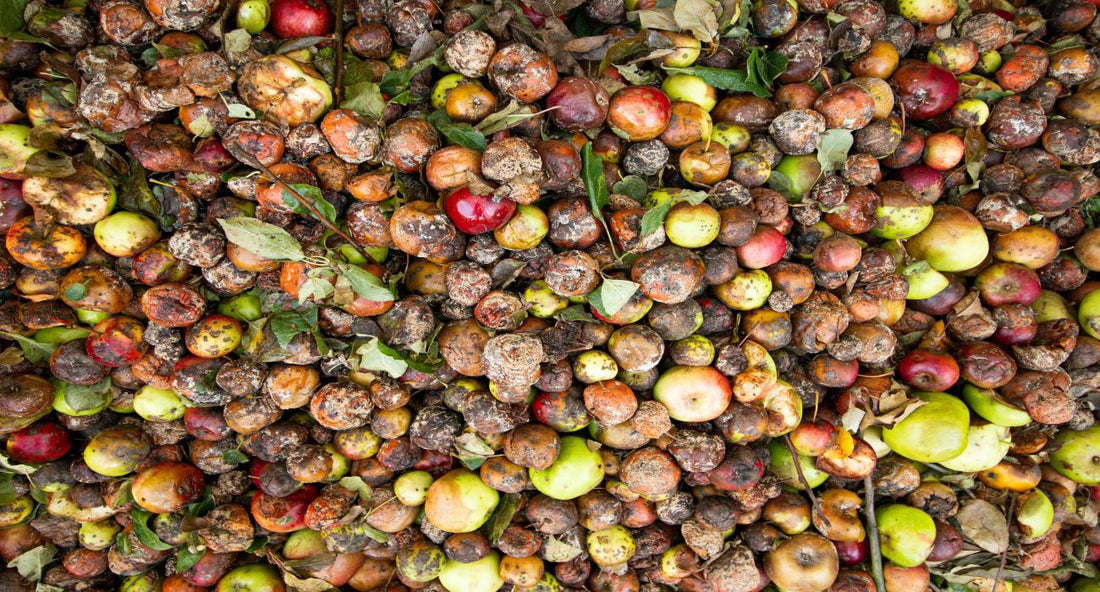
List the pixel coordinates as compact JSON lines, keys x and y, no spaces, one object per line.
{"x":990,"y":407}
{"x":693,"y":393}
{"x":305,"y":543}
{"x":257,"y":577}
{"x":1008,"y":283}
{"x":1036,"y":513}
{"x":954,"y":241}
{"x":39,"y":443}
{"x":928,"y":370}
{"x":765,"y":247}
{"x":900,"y":216}
{"x":460,"y":501}
{"x":1079,"y":457}
{"x":986,"y":445}
{"x":924,"y":282}
{"x":301,"y":18}
{"x":476,"y":214}
{"x":577,"y":470}
{"x":283,"y":514}
{"x":782,"y":466}
{"x":933,"y":432}
{"x":482,"y":575}
{"x":1088,"y":314}
{"x":906,"y":534}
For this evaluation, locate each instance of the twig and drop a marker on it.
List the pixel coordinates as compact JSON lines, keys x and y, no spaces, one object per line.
{"x":339,"y":90}
{"x":872,"y":526}
{"x":815,"y":505}
{"x":1004,"y":553}
{"x":255,"y":162}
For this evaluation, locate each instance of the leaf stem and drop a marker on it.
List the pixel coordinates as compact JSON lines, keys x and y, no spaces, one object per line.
{"x":815,"y":504}
{"x":872,"y":527}
{"x":1004,"y":553}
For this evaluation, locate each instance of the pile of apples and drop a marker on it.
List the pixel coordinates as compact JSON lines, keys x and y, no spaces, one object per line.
{"x":606,"y":295}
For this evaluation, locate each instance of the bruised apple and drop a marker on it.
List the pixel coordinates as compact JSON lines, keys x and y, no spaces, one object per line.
{"x":693,"y":393}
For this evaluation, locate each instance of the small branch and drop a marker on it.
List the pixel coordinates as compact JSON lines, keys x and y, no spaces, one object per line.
{"x":816,"y":506}
{"x":872,"y":527}
{"x":1004,"y":554}
{"x":255,"y":162}
{"x":339,"y":90}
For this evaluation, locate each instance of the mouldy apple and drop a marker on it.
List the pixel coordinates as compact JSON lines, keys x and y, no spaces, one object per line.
{"x":1079,"y":457}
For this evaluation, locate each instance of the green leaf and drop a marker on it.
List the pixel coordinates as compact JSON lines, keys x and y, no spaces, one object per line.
{"x":508,"y":116}
{"x":31,"y":564}
{"x":356,"y":484}
{"x":201,"y":507}
{"x":84,"y":398}
{"x":76,"y":292}
{"x":365,"y":98}
{"x":186,"y":558}
{"x":376,"y":356}
{"x":612,"y":296}
{"x":315,"y":196}
{"x":11,"y":16}
{"x":257,"y":543}
{"x":234,"y":456}
{"x":635,"y":75}
{"x":763,"y":67}
{"x":288,"y":323}
{"x":472,"y":450}
{"x":396,"y":82}
{"x":315,"y":289}
{"x":135,"y":195}
{"x":35,"y":352}
{"x":240,"y":111}
{"x":731,"y":80}
{"x":633,"y":186}
{"x":594,"y":181}
{"x":502,"y":516}
{"x":462,"y":134}
{"x":140,"y":520}
{"x":40,"y":587}
{"x":366,"y":285}
{"x":7,"y":490}
{"x":832,"y":152}
{"x":577,"y":312}
{"x":261,"y":238}
{"x":654,"y":217}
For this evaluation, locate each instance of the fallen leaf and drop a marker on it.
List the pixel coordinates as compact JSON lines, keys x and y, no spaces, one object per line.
{"x":984,"y":524}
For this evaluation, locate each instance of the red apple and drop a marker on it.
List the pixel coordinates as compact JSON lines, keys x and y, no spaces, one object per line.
{"x":813,"y":439}
{"x":212,"y":156}
{"x":475,"y":214}
{"x":12,"y":206}
{"x":301,"y":18}
{"x":928,"y":370}
{"x":206,"y":423}
{"x":925,"y":90}
{"x":765,"y":247}
{"x":283,"y":514}
{"x":336,"y":570}
{"x":851,"y":552}
{"x":39,"y":443}
{"x":693,"y":393}
{"x":927,"y":181}
{"x":1008,"y":283}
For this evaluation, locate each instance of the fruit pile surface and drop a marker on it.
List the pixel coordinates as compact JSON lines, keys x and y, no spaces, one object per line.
{"x":549,"y":295}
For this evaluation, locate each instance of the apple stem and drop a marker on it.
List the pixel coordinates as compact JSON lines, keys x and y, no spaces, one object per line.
{"x":1004,"y":553}
{"x":872,"y":526}
{"x":816,"y":506}
{"x":338,"y":91}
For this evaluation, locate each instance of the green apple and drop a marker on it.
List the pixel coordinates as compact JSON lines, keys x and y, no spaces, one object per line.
{"x":63,"y":391}
{"x":901,"y":216}
{"x":15,"y":148}
{"x":611,"y":546}
{"x":992,"y":408}
{"x":125,"y":234}
{"x":482,"y":575}
{"x":1088,"y":314}
{"x":924,"y":282}
{"x":796,"y":176}
{"x":98,"y":535}
{"x":954,"y":241}
{"x":1086,"y":585}
{"x":243,"y":307}
{"x":1035,"y":514}
{"x":1050,"y":306}
{"x":1079,"y":457}
{"x":577,"y":470}
{"x":460,"y":501}
{"x":117,"y":450}
{"x":411,"y":488}
{"x":154,"y":404}
{"x":906,"y":534}
{"x":91,"y":317}
{"x":986,"y":445}
{"x":934,"y":432}
{"x":257,"y":577}
{"x":253,"y":15}
{"x":688,"y":87}
{"x":782,"y":466}
{"x":748,"y":289}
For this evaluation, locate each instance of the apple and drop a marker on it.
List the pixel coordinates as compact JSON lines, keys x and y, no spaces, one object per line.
{"x":476,"y":214}
{"x":336,"y":570}
{"x":288,"y":93}
{"x":934,"y":432}
{"x":411,"y":488}
{"x":283,"y":514}
{"x":39,"y":443}
{"x":905,"y":579}
{"x":117,"y":450}
{"x":765,"y":247}
{"x":954,"y":241}
{"x":991,"y":407}
{"x":748,"y":289}
{"x":853,"y":552}
{"x":577,"y":470}
{"x":301,"y":18}
{"x":782,"y":466}
{"x":1008,"y":283}
{"x":796,"y":176}
{"x":1035,"y":513}
{"x":1050,"y":306}
{"x":901,"y":216}
{"x":925,"y":180}
{"x":928,"y":370}
{"x":693,"y":393}
{"x":1088,"y":314}
{"x":986,"y":445}
{"x":154,"y":404}
{"x":924,"y":281}
{"x":460,"y":502}
{"x":257,"y":577}
{"x":482,"y":575}
{"x":906,"y":534}
{"x":806,"y":562}
{"x":1079,"y":457}
{"x":253,"y":15}
{"x":15,"y":149}
{"x":813,"y":438}
{"x":167,"y":487}
{"x":610,"y":546}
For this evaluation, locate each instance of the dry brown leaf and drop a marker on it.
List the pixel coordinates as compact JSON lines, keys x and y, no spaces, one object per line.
{"x":984,"y":524}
